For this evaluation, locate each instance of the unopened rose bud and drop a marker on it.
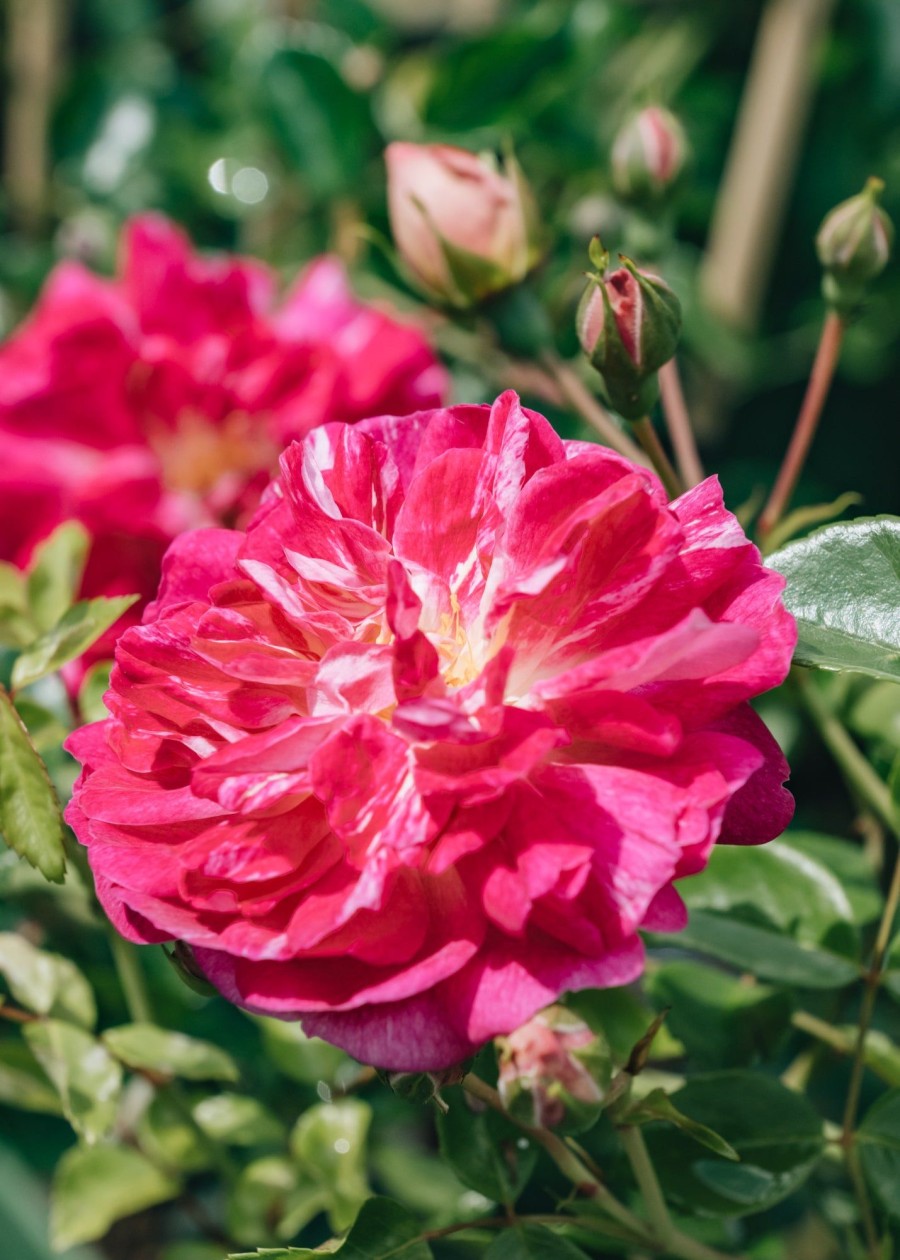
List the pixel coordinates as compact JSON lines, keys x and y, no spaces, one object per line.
{"x":554,"y":1072}
{"x":629,"y":323}
{"x":854,"y":245}
{"x":648,"y":155}
{"x":463,"y":223}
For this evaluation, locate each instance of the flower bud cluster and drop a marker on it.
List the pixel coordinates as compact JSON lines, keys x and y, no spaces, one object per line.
{"x":629,"y":323}
{"x":554,"y":1072}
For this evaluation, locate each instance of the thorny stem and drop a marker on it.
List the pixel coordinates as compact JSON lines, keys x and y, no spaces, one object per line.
{"x":807,"y":421}
{"x":581,"y":400}
{"x":678,"y":422}
{"x":647,"y":436}
{"x":567,"y":1161}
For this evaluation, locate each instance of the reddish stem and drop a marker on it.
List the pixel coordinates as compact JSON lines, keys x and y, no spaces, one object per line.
{"x":807,"y":422}
{"x":678,"y":422}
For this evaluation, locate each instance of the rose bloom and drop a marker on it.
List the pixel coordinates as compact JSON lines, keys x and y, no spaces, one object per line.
{"x":158,"y":401}
{"x":431,"y":741}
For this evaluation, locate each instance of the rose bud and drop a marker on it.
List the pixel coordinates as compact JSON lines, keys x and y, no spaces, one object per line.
{"x":854,"y":245}
{"x":648,"y":155}
{"x":463,"y":223}
{"x":629,"y":322}
{"x":554,"y":1072}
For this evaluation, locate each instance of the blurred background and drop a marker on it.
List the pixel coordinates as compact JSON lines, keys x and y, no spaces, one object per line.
{"x":259,"y":125}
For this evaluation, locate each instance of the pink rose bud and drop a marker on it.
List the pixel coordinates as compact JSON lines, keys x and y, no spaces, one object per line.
{"x":554,"y":1072}
{"x":629,"y":323}
{"x":854,"y":245}
{"x":463,"y":223}
{"x":648,"y":155}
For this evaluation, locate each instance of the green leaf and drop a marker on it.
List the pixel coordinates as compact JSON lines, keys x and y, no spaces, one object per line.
{"x":720,"y":1020}
{"x":775,"y":1132}
{"x":22,"y":1082}
{"x":657,"y":1105}
{"x":16,"y":628}
{"x":30,"y":818}
{"x":843,"y":587}
{"x":86,"y":1076}
{"x":45,"y":729}
{"x":237,"y":1120}
{"x":168,"y":1139}
{"x":73,"y":634}
{"x":55,"y":572}
{"x":329,"y":1143}
{"x":93,"y":688}
{"x":527,"y":1241}
{"x":849,"y":864}
{"x":147,"y":1047}
{"x":878,"y":1143}
{"x":45,"y":983}
{"x":264,"y":1194}
{"x":305,"y":1059}
{"x":486,"y":1151}
{"x":762,"y":952}
{"x":775,"y":912}
{"x":383,"y":1231}
{"x":96,"y":1186}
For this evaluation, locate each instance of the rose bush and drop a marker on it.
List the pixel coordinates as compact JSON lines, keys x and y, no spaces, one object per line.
{"x":158,"y":401}
{"x":434,"y":738}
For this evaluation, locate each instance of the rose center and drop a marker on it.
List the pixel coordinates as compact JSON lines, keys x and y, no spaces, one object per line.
{"x":198,"y":454}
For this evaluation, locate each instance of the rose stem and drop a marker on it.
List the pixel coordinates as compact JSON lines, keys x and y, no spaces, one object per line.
{"x":807,"y":421}
{"x":581,"y":400}
{"x":647,"y":436}
{"x":676,"y":1243}
{"x":678,"y":422}
{"x":875,"y":793}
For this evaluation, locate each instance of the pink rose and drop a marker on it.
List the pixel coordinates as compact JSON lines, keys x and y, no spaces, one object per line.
{"x":433,"y":740}
{"x":158,"y":401}
{"x":447,"y":203}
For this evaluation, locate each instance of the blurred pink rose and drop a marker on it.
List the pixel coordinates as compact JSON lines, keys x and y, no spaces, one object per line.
{"x":432,"y":740}
{"x":442,"y":200}
{"x":159,"y":401}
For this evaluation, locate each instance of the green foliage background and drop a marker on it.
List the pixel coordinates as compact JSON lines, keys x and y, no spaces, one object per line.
{"x":260,"y":126}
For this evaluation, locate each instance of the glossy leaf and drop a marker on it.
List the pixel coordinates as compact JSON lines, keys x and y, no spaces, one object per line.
{"x":87,"y":1078}
{"x":383,"y":1230}
{"x":527,"y":1241}
{"x":657,"y":1105}
{"x":847,"y":861}
{"x":878,"y":1143}
{"x":147,"y":1047}
{"x":30,"y":818}
{"x":45,"y":983}
{"x":16,"y":627}
{"x":775,"y":1132}
{"x":843,"y":587}
{"x":73,"y":634}
{"x":96,"y":1186}
{"x":720,"y":1019}
{"x":485,"y":1150}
